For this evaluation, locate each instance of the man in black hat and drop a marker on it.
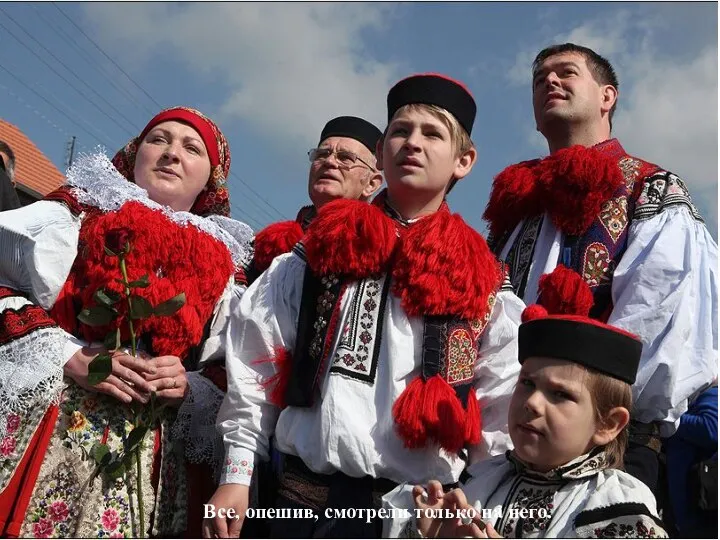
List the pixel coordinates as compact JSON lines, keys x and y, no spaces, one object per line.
{"x":384,"y":347}
{"x":343,"y":166}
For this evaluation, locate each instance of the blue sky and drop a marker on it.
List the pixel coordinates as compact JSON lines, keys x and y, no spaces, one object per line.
{"x":271,"y":75}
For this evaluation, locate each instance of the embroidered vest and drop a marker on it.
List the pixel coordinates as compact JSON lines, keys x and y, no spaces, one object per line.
{"x":594,"y":254}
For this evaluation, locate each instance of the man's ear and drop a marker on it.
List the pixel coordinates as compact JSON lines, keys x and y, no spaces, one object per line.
{"x":611,"y":426}
{"x":465,"y":163}
{"x":609,"y":97}
{"x":373,"y":185}
{"x":379,"y":153}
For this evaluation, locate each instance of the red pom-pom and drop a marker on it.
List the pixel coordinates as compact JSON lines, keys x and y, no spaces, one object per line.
{"x":406,"y":412}
{"x":434,"y":275}
{"x":274,"y":240}
{"x":349,"y":237}
{"x":580,"y":180}
{"x":532,"y":312}
{"x":282,"y":358}
{"x":514,"y":195}
{"x":564,"y":292}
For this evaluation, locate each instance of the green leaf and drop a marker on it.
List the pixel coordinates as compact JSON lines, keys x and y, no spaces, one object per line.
{"x":106,"y":298}
{"x":115,"y":470}
{"x":110,"y":252}
{"x":99,"y":369}
{"x":140,"y":308}
{"x":112,"y":340}
{"x":168,"y":307}
{"x":142,"y":282}
{"x":97,"y":315}
{"x":101,"y":454}
{"x":135,"y":438}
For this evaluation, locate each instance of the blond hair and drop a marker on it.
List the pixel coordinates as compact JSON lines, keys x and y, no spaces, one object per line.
{"x":459,"y":138}
{"x":607,"y":393}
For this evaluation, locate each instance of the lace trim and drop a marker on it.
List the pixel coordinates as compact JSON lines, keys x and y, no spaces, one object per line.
{"x":98,"y":183}
{"x":31,"y":373}
{"x":195,"y":423}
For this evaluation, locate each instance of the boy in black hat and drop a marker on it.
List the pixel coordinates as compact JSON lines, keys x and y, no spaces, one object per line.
{"x":568,"y":421}
{"x":383,"y":341}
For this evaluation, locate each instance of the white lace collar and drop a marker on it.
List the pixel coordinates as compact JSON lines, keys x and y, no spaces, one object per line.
{"x":98,"y":183}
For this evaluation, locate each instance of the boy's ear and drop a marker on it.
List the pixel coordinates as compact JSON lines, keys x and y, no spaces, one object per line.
{"x":465,"y":163}
{"x":379,"y":153}
{"x":374,"y":183}
{"x":611,"y":426}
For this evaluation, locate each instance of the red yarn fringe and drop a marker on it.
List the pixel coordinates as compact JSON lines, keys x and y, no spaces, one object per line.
{"x":274,"y":240}
{"x":513,"y":197}
{"x":350,"y":237}
{"x":565,"y":292}
{"x":282,"y":358}
{"x":445,"y":268}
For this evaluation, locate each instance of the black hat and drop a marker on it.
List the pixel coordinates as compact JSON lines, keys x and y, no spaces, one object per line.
{"x":354,"y":128}
{"x":434,"y":89}
{"x":581,"y":340}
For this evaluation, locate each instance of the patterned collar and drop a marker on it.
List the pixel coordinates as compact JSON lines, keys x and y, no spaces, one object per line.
{"x":584,"y":466}
{"x":381,"y":200}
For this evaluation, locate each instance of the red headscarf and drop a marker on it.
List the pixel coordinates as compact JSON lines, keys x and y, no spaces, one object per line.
{"x":214,"y":198}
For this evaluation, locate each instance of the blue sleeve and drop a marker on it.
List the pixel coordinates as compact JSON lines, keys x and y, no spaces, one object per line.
{"x":699,"y":425}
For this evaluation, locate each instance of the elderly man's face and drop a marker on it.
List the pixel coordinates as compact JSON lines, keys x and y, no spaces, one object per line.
{"x":331,"y":179}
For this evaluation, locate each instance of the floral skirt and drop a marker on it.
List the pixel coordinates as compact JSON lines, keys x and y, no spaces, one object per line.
{"x":64,"y":504}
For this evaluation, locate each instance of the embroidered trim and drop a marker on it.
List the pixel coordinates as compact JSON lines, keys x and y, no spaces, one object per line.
{"x":520,"y":255}
{"x":528,"y":494}
{"x":613,"y":216}
{"x":622,"y":520}
{"x":64,"y":195}
{"x":660,"y":191}
{"x":359,"y":347}
{"x":6,"y":292}
{"x":238,"y":466}
{"x":17,"y":323}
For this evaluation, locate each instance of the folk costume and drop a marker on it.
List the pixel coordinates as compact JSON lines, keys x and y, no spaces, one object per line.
{"x":376,"y":351}
{"x":629,"y":228}
{"x":583,"y":498}
{"x":279,"y":238}
{"x":54,"y":261}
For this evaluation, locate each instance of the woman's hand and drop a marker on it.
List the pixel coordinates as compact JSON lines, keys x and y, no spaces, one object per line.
{"x":169,"y":379}
{"x":125,"y":383}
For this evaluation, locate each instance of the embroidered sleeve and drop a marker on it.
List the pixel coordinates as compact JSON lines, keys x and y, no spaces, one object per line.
{"x":32,"y":356}
{"x":622,"y":520}
{"x":238,"y":467}
{"x":262,"y":321}
{"x":496,"y":373}
{"x":660,"y":191}
{"x":664,"y":289}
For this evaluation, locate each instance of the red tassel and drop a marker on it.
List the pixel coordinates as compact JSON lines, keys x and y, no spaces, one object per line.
{"x":407,"y":414}
{"x":514,"y":195}
{"x":578,"y":181}
{"x":532,"y":312}
{"x":278,"y":383}
{"x":473,"y":419}
{"x":274,"y":240}
{"x":350,"y":237}
{"x":63,"y":311}
{"x":564,"y":292}
{"x":443,"y":414}
{"x":445,"y":268}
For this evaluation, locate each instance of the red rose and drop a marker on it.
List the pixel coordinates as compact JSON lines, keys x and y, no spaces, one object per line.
{"x":7,"y":446}
{"x":117,"y":240}
{"x":13,"y":422}
{"x":58,"y":511}
{"x":110,"y":519}
{"x":43,"y":528}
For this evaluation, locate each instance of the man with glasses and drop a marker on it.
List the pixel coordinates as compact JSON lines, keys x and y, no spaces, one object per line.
{"x":343,"y":166}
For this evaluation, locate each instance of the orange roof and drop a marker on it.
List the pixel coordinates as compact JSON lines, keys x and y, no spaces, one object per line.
{"x":32,"y":168}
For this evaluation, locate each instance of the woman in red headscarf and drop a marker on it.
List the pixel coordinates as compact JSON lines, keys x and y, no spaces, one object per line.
{"x":154,"y":217}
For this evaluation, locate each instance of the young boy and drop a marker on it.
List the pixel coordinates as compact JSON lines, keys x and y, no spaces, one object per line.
{"x":568,"y":423}
{"x":387,"y":334}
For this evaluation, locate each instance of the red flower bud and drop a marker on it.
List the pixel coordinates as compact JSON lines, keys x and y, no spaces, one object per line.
{"x":118,"y":240}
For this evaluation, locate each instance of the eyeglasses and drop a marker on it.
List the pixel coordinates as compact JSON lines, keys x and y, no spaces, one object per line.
{"x":344,"y":157}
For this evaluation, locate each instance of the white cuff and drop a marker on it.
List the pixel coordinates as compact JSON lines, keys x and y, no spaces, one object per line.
{"x":238,"y":466}
{"x":72,"y":345}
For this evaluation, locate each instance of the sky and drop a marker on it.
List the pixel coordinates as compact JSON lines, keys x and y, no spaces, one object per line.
{"x":272,"y":74}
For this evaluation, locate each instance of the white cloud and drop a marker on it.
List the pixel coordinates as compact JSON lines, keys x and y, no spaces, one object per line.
{"x":289,"y":67}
